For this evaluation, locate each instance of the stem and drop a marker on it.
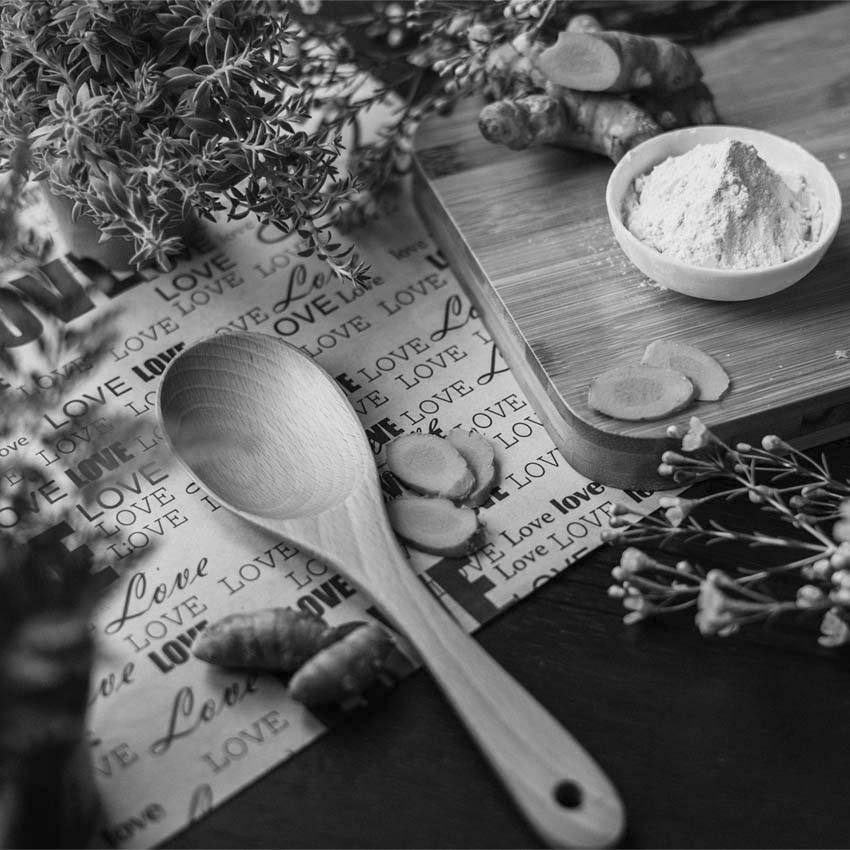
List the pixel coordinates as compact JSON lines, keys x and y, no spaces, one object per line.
{"x":542,"y":20}
{"x":793,"y":565}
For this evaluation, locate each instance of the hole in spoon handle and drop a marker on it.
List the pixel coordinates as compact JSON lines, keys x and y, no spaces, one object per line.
{"x":568,"y":794}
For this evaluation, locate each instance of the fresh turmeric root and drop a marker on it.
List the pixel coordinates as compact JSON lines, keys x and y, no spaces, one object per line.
{"x":344,"y":669}
{"x":599,"y":123}
{"x":613,"y":61}
{"x":329,"y":663}
{"x":683,"y":108}
{"x":277,"y":639}
{"x":598,"y":90}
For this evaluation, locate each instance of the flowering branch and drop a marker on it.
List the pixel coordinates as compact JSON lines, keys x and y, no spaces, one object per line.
{"x":807,"y":542}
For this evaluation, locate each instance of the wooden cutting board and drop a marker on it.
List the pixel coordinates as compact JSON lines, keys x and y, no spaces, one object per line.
{"x":528,"y":234}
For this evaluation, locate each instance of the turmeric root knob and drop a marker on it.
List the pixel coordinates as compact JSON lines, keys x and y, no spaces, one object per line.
{"x":614,"y":61}
{"x":344,"y":669}
{"x":330,"y":664}
{"x":598,"y":123}
{"x":276,"y":639}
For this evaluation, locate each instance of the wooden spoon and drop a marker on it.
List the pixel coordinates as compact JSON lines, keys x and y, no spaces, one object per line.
{"x":272,"y":437}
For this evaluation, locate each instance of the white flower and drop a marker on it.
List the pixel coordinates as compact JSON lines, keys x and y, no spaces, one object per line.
{"x":808,"y":596}
{"x":841,"y":531}
{"x":774,"y":444}
{"x":676,"y":509}
{"x":834,"y":629}
{"x":715,"y":615}
{"x":840,"y":558}
{"x":633,"y":559}
{"x":698,"y":436}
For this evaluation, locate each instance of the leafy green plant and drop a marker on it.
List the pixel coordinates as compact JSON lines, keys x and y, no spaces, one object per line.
{"x":142,"y":113}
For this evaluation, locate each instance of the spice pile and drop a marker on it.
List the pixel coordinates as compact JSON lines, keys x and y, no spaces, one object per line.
{"x":722,"y":206}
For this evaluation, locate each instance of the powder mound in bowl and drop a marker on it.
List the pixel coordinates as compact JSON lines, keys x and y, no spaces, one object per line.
{"x":722,"y":206}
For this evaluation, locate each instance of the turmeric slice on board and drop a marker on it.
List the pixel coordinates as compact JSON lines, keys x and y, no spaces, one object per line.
{"x":639,"y":392}
{"x":702,"y":370}
{"x":435,"y":525}
{"x":431,"y":465}
{"x":480,"y":456}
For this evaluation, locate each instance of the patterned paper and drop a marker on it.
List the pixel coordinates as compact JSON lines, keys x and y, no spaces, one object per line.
{"x":172,"y":737}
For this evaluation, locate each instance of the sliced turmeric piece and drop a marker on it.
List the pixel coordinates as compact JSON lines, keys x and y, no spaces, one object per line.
{"x":479,"y":455}
{"x":435,"y":525}
{"x":708,"y":377}
{"x":639,"y":392}
{"x":430,"y":465}
{"x":614,"y":61}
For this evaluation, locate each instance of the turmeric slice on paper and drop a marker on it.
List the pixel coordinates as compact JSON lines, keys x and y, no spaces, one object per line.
{"x":639,"y":392}
{"x":435,"y":525}
{"x":430,"y":465}
{"x":480,"y":456}
{"x":708,"y":377}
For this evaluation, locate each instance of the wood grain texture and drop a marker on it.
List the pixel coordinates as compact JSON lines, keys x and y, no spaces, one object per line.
{"x":528,"y":234}
{"x":291,"y":456}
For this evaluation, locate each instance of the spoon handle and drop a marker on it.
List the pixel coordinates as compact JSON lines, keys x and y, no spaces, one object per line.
{"x":561,"y":790}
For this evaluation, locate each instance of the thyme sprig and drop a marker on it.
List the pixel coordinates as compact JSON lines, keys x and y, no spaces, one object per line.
{"x":803,"y":512}
{"x":143,"y":113}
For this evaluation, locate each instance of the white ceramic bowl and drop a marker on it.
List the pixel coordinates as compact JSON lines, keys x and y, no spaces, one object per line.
{"x":722,"y":284}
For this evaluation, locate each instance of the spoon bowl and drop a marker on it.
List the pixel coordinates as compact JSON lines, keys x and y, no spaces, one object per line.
{"x":238,"y":428}
{"x":273,"y":438}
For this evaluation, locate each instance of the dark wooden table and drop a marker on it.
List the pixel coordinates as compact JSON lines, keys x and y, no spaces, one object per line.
{"x":732,"y":742}
{"x":725,"y":742}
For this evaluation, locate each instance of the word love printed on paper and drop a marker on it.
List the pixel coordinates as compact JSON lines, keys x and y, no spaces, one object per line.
{"x":172,"y":737}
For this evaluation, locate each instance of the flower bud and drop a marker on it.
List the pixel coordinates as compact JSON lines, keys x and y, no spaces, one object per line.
{"x":479,"y":35}
{"x":834,"y":629}
{"x":633,"y":559}
{"x":772,"y":443}
{"x":840,"y":560}
{"x":822,"y":568}
{"x":808,"y":596}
